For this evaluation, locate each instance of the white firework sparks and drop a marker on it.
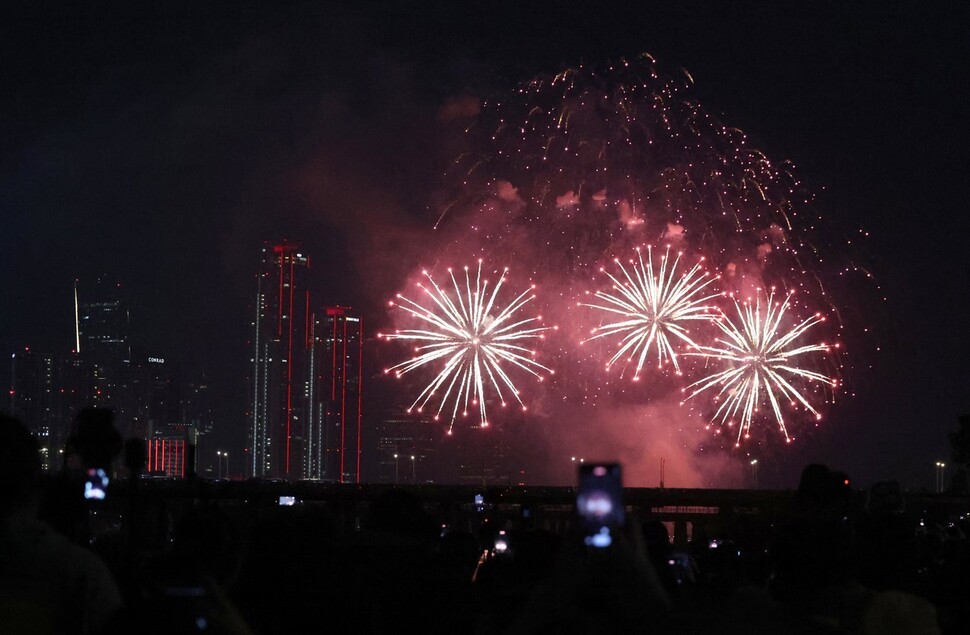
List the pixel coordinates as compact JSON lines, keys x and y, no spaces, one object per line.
{"x":762,"y":362}
{"x":472,"y":338}
{"x":653,"y":309}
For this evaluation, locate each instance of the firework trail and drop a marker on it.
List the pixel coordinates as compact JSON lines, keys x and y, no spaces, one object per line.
{"x":469,"y":335}
{"x":763,"y":363}
{"x":653,"y":309}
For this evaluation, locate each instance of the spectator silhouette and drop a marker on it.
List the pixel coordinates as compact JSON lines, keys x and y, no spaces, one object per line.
{"x":886,"y":548}
{"x":95,"y":438}
{"x":187,"y":589}
{"x":657,"y":541}
{"x":598,"y":590}
{"x":291,"y":580}
{"x":393,"y":565}
{"x":458,"y":552}
{"x":505,"y":580}
{"x":48,"y":584}
{"x":455,"y":558}
{"x":93,"y":443}
{"x":813,"y":587}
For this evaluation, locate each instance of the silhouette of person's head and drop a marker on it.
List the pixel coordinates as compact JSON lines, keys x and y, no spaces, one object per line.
{"x":95,"y":438}
{"x":657,"y":537}
{"x":823,"y":491}
{"x":19,"y":465}
{"x":814,"y":550}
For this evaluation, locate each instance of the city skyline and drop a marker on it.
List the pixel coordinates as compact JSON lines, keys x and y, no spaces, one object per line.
{"x":109,"y":375}
{"x":165,"y":147}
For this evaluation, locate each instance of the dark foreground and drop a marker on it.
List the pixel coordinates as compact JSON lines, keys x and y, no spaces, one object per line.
{"x":197,"y":556}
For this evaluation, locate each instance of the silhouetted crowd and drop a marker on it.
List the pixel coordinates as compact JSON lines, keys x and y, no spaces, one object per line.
{"x":834,"y":565}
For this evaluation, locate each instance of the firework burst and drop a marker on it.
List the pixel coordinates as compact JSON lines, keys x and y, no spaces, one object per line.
{"x":565,"y":171}
{"x":470,"y":335}
{"x":653,"y":309}
{"x":763,"y":364}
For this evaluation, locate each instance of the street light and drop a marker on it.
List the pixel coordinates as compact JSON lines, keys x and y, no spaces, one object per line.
{"x":395,"y":467}
{"x":754,"y":472}
{"x":574,"y":460}
{"x":220,"y":455}
{"x":413,"y":477}
{"x":940,"y":468}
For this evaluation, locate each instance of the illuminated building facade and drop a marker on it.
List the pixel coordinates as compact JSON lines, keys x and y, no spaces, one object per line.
{"x":168,"y":456}
{"x":406,"y":443}
{"x":102,"y":320}
{"x":153,"y":395}
{"x":334,"y":396}
{"x":32,"y":400}
{"x":196,"y":415}
{"x":281,"y":332}
{"x":481,"y":456}
{"x":75,"y":389}
{"x":102,"y":342}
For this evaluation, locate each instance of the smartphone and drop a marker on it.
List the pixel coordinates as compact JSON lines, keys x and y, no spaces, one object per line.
{"x":288,"y":501}
{"x":599,"y":502}
{"x":96,"y":484}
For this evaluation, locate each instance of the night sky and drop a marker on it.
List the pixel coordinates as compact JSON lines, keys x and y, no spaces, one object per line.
{"x":161,"y":144}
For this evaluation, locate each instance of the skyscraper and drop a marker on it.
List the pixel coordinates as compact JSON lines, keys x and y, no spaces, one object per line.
{"x":75,"y":390}
{"x":32,"y":400}
{"x":334,"y":396}
{"x":103,"y":344}
{"x":153,"y":394}
{"x":101,"y":320}
{"x":281,"y":332}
